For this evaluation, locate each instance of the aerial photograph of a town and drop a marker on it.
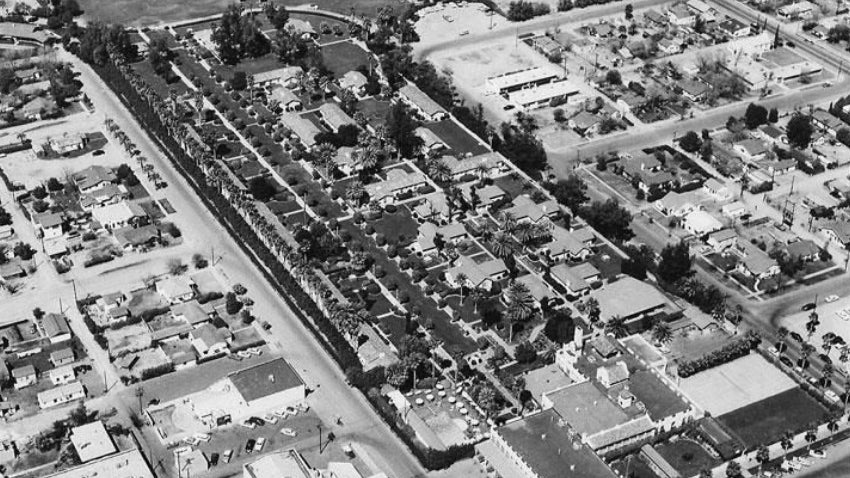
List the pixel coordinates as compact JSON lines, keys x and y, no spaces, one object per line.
{"x":424,"y":238}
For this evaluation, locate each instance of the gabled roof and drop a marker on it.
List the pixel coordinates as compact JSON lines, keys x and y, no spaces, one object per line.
{"x":422,"y":101}
{"x":334,"y":116}
{"x":93,"y":176}
{"x":525,"y":208}
{"x":49,"y":219}
{"x":564,"y":241}
{"x":55,"y":325}
{"x":802,"y":248}
{"x":477,"y":273}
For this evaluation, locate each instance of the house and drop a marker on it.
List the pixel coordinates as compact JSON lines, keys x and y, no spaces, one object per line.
{"x":722,"y":239}
{"x":653,"y":17}
{"x":12,"y":269}
{"x":209,"y":340}
{"x":796,"y":10}
{"x":573,"y":279}
{"x":613,"y":374}
{"x":700,"y":223}
{"x":838,"y":231}
{"x":270,"y":385}
{"x":303,"y":129}
{"x":487,"y":165}
{"x":334,"y":117}
{"x":778,"y":168}
{"x":751,"y":150}
{"x":669,"y":46}
{"x":601,"y":30}
{"x":39,"y":108}
{"x":180,"y":352}
{"x":585,"y":123}
{"x":175,"y":289}
{"x":50,"y":224}
{"x":289,"y":76}
{"x":677,"y":204}
{"x":733,"y":28}
{"x":354,"y":81}
{"x":302,"y":28}
{"x":63,"y":356}
{"x":285,"y":98}
{"x":826,"y":121}
{"x":537,"y":287}
{"x":24,"y":376}
{"x":755,"y":262}
{"x":524,"y":209}
{"x":92,"y":441}
{"x":434,"y":207}
{"x":62,"y":375}
{"x":108,"y":193}
{"x":630,"y":299}
{"x":61,"y":395}
{"x":430,"y":140}
{"x":191,"y":312}
{"x":122,"y":214}
{"x":649,"y":182}
{"x":734,"y":210}
{"x":429,"y":109}
{"x":803,"y":249}
{"x":93,"y":178}
{"x":717,"y":189}
{"x":680,"y":15}
{"x":398,"y":183}
{"x":430,"y":235}
{"x":547,"y":46}
{"x":137,"y":238}
{"x":566,"y":245}
{"x":633,"y":167}
{"x":472,"y":274}
{"x":771,"y":133}
{"x":55,"y":328}
{"x":485,"y":197}
{"x":693,"y":90}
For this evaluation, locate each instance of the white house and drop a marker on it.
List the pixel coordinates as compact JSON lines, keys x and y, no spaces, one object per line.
{"x":61,"y":395}
{"x":700,"y":223}
{"x":210,"y":340}
{"x":677,"y":204}
{"x":175,"y":289}
{"x":717,"y":189}
{"x":475,"y":275}
{"x":124,"y":213}
{"x":62,"y":375}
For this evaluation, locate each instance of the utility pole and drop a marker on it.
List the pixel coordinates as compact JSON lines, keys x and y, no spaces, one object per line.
{"x":319,"y":426}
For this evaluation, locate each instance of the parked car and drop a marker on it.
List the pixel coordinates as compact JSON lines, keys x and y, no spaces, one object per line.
{"x":98,"y":152}
{"x":787,"y":362}
{"x":261,"y":442}
{"x":288,"y":432}
{"x":204,"y":437}
{"x":831,"y":396}
{"x":227,"y":455}
{"x":773,"y":351}
{"x":257,"y":421}
{"x":817,"y":454}
{"x":797,"y":337}
{"x":249,"y":445}
{"x":809,"y":306}
{"x":248,"y":423}
{"x":214,"y":459}
{"x":270,"y":418}
{"x":831,"y":298}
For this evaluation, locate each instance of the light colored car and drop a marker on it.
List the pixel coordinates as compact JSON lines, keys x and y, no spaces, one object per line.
{"x":258,"y":447}
{"x":773,"y":351}
{"x":255,"y":351}
{"x":270,"y":418}
{"x":292,"y":410}
{"x":244,"y":354}
{"x":831,"y":396}
{"x":288,"y":432}
{"x":226,"y":456}
{"x":282,"y":413}
{"x":817,"y":454}
{"x":204,"y":437}
{"x":191,"y":441}
{"x":831,"y":298}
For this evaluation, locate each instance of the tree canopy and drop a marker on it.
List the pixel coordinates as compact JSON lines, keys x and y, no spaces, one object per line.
{"x":799,"y":131}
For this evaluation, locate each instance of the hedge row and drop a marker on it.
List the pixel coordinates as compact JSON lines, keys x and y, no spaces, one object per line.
{"x":725,"y":354}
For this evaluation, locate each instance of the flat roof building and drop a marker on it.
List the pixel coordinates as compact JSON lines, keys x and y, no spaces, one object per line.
{"x":516,"y":80}
{"x":92,"y":441}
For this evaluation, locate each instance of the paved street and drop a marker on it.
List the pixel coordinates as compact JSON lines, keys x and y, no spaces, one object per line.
{"x":332,"y":396}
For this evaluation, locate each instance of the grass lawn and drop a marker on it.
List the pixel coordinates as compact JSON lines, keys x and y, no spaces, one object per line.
{"x":398,"y":227}
{"x":513,"y":186}
{"x":158,"y":83}
{"x":456,"y":138}
{"x":343,"y":57}
{"x":686,"y":456}
{"x":379,"y":305}
{"x":766,"y":421}
{"x":151,"y":12}
{"x":374,"y":110}
{"x":253,"y":66}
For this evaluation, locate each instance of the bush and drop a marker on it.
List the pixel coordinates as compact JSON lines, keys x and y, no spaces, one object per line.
{"x":727,"y":353}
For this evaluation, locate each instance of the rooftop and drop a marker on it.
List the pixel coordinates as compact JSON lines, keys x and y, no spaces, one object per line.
{"x":628,"y":297}
{"x":545,"y":445}
{"x":420,"y":99}
{"x":92,"y":441}
{"x":281,"y":464}
{"x":587,"y":408}
{"x":265,"y":379}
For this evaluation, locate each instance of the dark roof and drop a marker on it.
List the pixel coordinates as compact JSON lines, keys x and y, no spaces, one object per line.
{"x":545,"y":445}
{"x":265,"y":379}
{"x":660,"y":400}
{"x":55,"y":325}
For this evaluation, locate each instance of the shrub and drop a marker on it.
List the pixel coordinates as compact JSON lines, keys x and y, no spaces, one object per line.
{"x":725,"y":354}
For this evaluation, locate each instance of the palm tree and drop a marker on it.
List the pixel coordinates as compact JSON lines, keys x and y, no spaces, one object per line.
{"x":503,"y":245}
{"x":826,"y":372}
{"x":812,"y":324}
{"x":438,"y":170}
{"x":733,"y":469}
{"x":355,"y":192}
{"x":843,"y":354}
{"x":520,"y":305}
{"x":811,"y":436}
{"x":828,"y":339}
{"x":476,"y":295}
{"x":460,"y":279}
{"x":787,"y":441}
{"x":593,"y":310}
{"x":617,"y":327}
{"x":806,"y":350}
{"x":662,"y":333}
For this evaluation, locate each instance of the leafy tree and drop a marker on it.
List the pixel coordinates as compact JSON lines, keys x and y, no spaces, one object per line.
{"x":232,"y":304}
{"x":5,"y":217}
{"x":570,"y":192}
{"x":690,"y":142}
{"x":8,"y":80}
{"x":559,"y":326}
{"x":629,"y":11}
{"x":617,"y":326}
{"x":54,"y":185}
{"x":24,"y":251}
{"x":239,"y":81}
{"x":160,"y":56}
{"x":261,"y":188}
{"x":277,"y":15}
{"x":773,"y":116}
{"x":609,"y":218}
{"x":401,"y":128}
{"x":613,"y":77}
{"x":641,"y":259}
{"x":522,"y":148}
{"x":675,"y":263}
{"x":238,"y":36}
{"x":39,"y":192}
{"x":755,"y":116}
{"x":799,"y":131}
{"x":525,"y":353}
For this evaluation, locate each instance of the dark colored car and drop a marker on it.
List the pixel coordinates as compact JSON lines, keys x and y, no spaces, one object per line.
{"x":98,"y":152}
{"x":214,"y":459}
{"x":825,"y":358}
{"x":808,"y":307}
{"x":786,"y":361}
{"x":257,"y":421}
{"x":249,"y":445}
{"x":797,"y":337}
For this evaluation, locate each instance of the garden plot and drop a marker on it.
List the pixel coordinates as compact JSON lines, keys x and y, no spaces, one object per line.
{"x":736,"y":384}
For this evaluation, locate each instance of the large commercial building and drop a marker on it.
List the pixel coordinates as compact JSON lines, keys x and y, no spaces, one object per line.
{"x":125,"y":464}
{"x":517,"y":80}
{"x":543,"y":95}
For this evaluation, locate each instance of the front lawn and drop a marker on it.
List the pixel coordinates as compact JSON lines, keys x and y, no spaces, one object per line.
{"x":686,"y":456}
{"x":343,"y":57}
{"x":398,"y":227}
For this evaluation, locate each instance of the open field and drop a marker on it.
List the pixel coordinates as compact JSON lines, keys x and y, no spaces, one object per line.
{"x":152,"y":12}
{"x":766,"y":421}
{"x":736,"y":384}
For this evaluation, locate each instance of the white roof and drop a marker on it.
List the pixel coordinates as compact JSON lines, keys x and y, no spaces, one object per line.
{"x":282,"y":464}
{"x":117,"y":213}
{"x":92,"y":441}
{"x":520,"y":77}
{"x":125,"y":464}
{"x":543,"y":92}
{"x":703,"y":222}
